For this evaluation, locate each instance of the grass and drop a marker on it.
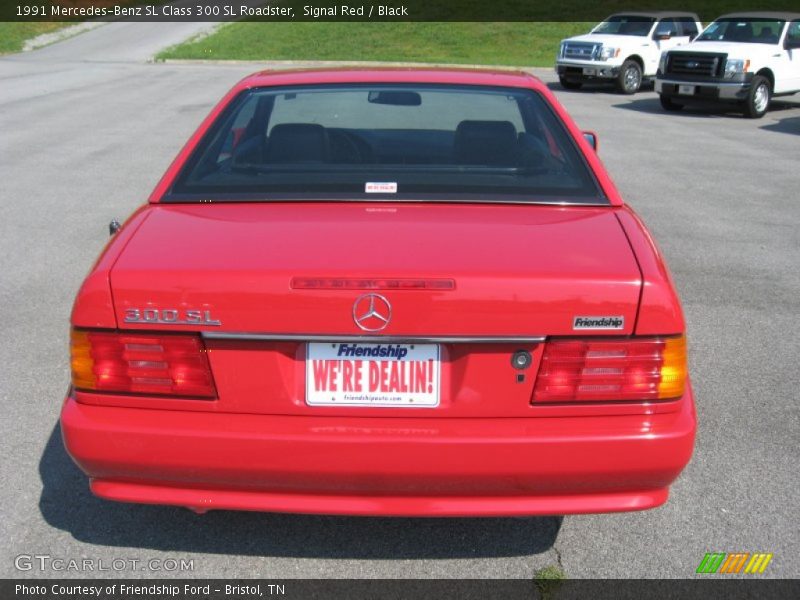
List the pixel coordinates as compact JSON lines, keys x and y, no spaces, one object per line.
{"x":548,"y":580}
{"x":14,"y":35}
{"x":507,"y":44}
{"x":550,"y":573}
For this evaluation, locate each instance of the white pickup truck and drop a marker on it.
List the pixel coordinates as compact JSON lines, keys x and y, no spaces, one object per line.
{"x":744,"y":58}
{"x":623,"y":49}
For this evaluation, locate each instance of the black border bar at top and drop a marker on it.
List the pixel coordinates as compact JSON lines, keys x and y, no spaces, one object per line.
{"x":365,"y":10}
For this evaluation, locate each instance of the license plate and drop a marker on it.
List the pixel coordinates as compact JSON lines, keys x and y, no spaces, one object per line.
{"x":686,"y":90}
{"x":589,"y":71}
{"x":356,"y":374}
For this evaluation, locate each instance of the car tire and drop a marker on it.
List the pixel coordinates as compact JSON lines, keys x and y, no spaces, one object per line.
{"x":669,"y":104}
{"x":758,"y":97}
{"x":570,"y":84}
{"x":629,"y":79}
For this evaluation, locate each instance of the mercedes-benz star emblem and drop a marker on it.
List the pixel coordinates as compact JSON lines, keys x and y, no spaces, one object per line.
{"x":372,"y":312}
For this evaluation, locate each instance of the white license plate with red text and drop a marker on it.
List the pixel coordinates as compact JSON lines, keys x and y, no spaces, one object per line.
{"x":360,"y":374}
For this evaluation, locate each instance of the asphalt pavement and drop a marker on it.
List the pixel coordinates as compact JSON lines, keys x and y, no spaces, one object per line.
{"x":87,"y":126}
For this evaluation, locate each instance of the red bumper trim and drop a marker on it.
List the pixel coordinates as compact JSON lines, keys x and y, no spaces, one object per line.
{"x":202,"y":500}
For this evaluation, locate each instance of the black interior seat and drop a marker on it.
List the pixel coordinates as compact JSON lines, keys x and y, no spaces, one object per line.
{"x":298,"y":142}
{"x":250,"y":151}
{"x":491,"y":143}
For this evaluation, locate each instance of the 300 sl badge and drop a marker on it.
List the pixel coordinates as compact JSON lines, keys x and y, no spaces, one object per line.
{"x":170,"y":316}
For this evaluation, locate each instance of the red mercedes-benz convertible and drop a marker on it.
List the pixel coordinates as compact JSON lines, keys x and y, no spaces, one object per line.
{"x":387,"y":292}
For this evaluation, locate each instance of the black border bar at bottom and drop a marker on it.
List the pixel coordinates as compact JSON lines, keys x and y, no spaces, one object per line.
{"x":711,"y":588}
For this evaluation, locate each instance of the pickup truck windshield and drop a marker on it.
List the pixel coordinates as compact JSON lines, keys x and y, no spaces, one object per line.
{"x":747,"y":31}
{"x":370,"y":142}
{"x":626,"y":25}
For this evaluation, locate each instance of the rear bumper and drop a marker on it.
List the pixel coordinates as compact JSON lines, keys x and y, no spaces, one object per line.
{"x":380,"y":466}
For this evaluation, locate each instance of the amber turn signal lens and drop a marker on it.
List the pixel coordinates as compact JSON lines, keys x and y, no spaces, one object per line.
{"x":81,"y":361}
{"x":674,"y":369}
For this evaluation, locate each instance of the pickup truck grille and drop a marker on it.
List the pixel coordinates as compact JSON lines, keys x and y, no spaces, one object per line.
{"x":705,"y":65}
{"x":581,"y":50}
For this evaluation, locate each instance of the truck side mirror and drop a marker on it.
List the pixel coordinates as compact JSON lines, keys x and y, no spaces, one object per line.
{"x":792,"y":43}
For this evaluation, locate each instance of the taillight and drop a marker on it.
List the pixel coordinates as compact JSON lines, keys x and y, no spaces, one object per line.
{"x":630,"y":369}
{"x":128,"y":363}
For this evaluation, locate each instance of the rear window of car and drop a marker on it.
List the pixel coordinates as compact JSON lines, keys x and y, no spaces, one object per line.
{"x":368,"y":142}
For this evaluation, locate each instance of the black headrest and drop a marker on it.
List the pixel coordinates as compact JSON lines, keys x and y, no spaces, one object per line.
{"x":486,"y":143}
{"x":298,"y":142}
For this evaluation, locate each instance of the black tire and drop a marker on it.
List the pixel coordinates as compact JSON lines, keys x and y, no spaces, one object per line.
{"x":629,"y":79}
{"x":758,"y":98}
{"x":669,"y":104}
{"x":570,"y":84}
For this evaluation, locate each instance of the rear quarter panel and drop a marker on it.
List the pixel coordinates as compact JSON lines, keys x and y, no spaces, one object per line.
{"x":660,"y":309}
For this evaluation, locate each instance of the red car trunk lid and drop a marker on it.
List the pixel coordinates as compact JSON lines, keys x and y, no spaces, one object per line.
{"x":518,"y":270}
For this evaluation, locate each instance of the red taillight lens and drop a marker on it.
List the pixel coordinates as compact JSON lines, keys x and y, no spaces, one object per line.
{"x":174,"y":365}
{"x":631,"y":369}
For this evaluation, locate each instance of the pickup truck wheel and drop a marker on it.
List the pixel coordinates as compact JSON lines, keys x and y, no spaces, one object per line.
{"x":570,"y":84}
{"x":629,"y":79}
{"x":757,"y":102}
{"x":669,"y":104}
